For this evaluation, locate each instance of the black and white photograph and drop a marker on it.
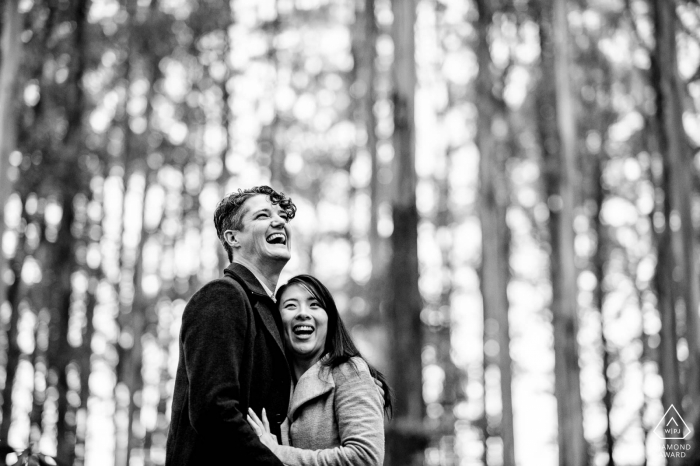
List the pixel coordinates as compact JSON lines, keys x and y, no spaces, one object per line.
{"x":349,"y":232}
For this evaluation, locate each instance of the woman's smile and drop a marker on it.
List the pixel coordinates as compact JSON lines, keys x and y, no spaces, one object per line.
{"x":305,"y":323}
{"x":303,"y":331}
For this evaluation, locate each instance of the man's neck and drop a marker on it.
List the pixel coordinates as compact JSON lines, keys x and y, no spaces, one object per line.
{"x":269,"y":274}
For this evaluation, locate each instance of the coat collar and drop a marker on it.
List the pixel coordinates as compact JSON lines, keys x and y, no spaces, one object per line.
{"x":313,"y":383}
{"x":249,"y":279}
{"x":251,"y":284}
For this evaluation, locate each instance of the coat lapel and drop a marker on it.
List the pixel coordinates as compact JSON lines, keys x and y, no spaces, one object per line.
{"x":246,"y":278}
{"x":315,"y":382}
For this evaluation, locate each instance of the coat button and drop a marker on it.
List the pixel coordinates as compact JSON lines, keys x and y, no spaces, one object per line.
{"x":278,"y":418}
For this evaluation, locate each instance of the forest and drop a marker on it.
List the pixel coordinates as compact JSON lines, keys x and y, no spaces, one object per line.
{"x":502,"y":196}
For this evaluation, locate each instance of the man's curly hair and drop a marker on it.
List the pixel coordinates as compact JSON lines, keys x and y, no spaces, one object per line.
{"x":228,"y":213}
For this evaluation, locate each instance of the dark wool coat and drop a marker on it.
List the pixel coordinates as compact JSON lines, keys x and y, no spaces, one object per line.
{"x":231,"y":358}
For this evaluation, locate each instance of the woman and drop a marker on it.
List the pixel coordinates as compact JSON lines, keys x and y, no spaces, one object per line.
{"x":335,"y":415}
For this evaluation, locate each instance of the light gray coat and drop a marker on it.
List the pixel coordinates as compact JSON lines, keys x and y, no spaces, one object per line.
{"x":335,"y":418}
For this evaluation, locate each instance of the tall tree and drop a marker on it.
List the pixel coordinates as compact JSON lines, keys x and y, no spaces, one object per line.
{"x":9,"y":71}
{"x":404,"y":302}
{"x":13,"y":350}
{"x":364,"y":49}
{"x":678,"y":184}
{"x":62,"y":262}
{"x":598,"y":265}
{"x":495,"y":237}
{"x":558,"y":140}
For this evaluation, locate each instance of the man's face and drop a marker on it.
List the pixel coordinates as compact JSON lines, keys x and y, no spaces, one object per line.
{"x":263,"y":235}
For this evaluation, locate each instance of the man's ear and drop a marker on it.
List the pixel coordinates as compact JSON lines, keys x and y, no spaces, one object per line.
{"x":230,"y":238}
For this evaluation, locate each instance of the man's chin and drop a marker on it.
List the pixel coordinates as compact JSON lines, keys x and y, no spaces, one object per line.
{"x":280,"y":256}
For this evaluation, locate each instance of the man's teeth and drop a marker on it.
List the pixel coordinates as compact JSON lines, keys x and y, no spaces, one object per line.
{"x":277,"y":238}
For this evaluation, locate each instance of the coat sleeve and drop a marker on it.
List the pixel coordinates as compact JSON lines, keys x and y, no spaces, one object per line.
{"x":359,"y":411}
{"x":215,"y":328}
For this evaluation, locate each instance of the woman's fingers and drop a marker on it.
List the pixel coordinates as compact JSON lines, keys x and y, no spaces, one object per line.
{"x":266,"y":424}
{"x":253,"y":425}
{"x":254,"y":417}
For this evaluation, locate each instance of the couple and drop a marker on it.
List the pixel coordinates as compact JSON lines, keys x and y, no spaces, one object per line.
{"x":264,"y":378}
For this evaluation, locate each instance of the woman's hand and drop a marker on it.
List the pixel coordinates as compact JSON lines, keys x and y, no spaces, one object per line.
{"x":262,"y":428}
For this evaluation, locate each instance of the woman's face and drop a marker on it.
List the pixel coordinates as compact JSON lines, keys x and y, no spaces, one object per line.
{"x":304,"y":321}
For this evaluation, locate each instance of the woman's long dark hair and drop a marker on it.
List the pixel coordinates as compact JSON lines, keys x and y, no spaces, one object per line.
{"x":339,"y":345}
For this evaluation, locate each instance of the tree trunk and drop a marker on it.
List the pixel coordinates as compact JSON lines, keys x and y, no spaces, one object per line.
{"x":666,"y":289}
{"x":493,"y":204}
{"x":452,"y":391}
{"x":60,"y":268}
{"x":676,"y":249}
{"x":558,"y":136}
{"x":598,"y":265}
{"x":13,"y":351}
{"x":9,"y":70}
{"x":678,"y":186}
{"x":406,"y":437}
{"x":83,"y":358}
{"x":364,"y":55}
{"x":226,"y":119}
{"x":63,"y":252}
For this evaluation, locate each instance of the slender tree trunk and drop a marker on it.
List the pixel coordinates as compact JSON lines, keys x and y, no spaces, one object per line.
{"x":124,"y":393}
{"x":39,"y":362}
{"x":558,"y":137}
{"x":493,"y":204}
{"x":452,"y":392}
{"x":270,"y":135}
{"x":9,"y":70}
{"x":404,"y":304}
{"x":13,"y":350}
{"x":226,"y":119}
{"x":85,"y":370}
{"x":62,"y":266}
{"x":668,"y":361}
{"x":63,"y":252}
{"x":599,"y":271}
{"x":679,"y":189}
{"x":365,"y":53}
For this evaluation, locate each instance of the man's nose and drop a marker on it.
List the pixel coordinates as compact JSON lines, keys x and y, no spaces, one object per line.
{"x":277,"y":220}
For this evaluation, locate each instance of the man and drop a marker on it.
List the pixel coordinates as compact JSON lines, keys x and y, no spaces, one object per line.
{"x":231,"y":354}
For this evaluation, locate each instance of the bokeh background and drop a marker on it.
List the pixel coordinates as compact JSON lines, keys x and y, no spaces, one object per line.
{"x":501,"y":194}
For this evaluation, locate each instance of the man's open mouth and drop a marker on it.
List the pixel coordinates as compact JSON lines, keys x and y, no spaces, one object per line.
{"x":302,"y":330}
{"x":277,"y":238}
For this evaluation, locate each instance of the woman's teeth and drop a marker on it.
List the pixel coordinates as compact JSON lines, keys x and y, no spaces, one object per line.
{"x":303,"y":330}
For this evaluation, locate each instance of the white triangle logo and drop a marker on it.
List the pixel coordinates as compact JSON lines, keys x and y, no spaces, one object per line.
{"x":672,"y":426}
